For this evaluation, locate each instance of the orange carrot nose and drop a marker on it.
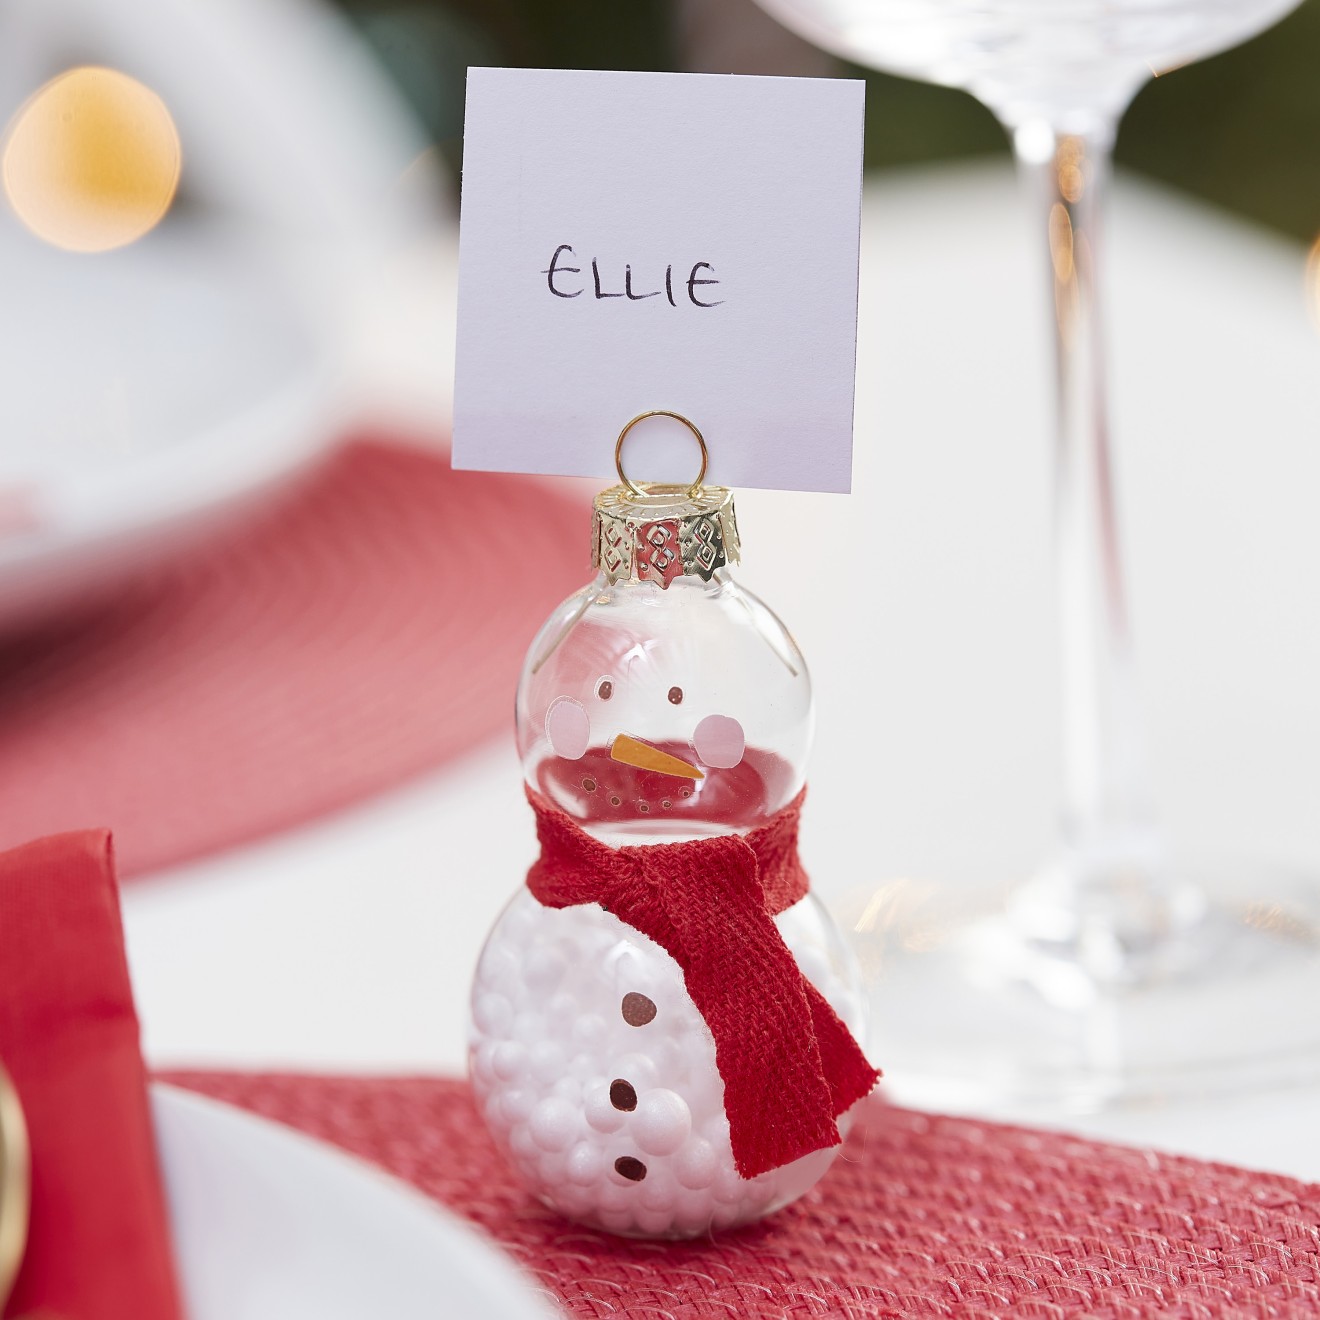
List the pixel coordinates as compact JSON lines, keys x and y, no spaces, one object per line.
{"x":631,"y":751}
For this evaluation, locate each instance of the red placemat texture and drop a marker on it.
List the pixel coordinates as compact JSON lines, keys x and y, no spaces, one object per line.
{"x":369,"y":628}
{"x":921,"y":1216}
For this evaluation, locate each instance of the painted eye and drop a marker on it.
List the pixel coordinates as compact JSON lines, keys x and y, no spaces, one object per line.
{"x":675,"y":696}
{"x":605,"y":689}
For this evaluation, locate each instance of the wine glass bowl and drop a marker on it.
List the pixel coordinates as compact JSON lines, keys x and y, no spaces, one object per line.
{"x":1030,"y":58}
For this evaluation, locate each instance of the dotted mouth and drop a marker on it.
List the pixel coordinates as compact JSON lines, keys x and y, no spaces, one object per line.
{"x":591,"y":785}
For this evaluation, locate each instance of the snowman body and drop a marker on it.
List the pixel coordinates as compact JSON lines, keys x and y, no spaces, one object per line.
{"x":662,"y":704}
{"x":597,"y":1074}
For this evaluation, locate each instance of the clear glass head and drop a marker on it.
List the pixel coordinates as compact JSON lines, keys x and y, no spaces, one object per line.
{"x":651,"y":714}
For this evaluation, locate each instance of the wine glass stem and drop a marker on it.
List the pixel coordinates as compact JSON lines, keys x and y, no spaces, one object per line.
{"x":1110,"y":867}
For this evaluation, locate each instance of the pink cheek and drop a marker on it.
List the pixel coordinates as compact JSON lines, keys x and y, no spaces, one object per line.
{"x":719,"y":741}
{"x":568,"y":727}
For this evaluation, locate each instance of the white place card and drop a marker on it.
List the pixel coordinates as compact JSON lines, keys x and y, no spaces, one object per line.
{"x":638,"y":241}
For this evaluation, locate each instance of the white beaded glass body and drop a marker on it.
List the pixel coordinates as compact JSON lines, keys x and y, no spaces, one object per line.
{"x":592,"y":1066}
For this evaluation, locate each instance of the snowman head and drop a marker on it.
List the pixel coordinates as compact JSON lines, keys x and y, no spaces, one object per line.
{"x":676,"y":711}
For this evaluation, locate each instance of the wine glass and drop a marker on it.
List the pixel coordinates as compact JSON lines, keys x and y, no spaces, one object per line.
{"x":1112,"y":975}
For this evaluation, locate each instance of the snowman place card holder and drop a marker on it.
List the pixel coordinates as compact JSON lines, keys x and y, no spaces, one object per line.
{"x":665,"y":1022}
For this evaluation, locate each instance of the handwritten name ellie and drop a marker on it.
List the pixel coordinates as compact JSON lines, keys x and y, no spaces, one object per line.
{"x":558,"y":272}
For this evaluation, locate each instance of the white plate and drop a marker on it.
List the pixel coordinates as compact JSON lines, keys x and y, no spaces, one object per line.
{"x":271,"y":1225}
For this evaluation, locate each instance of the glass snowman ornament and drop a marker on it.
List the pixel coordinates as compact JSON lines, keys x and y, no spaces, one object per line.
{"x":652,"y":1082}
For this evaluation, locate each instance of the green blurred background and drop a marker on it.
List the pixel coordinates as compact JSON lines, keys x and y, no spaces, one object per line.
{"x":1241,"y":130}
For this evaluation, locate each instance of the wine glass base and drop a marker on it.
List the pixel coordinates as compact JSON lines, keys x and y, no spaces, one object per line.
{"x":969,"y":1013}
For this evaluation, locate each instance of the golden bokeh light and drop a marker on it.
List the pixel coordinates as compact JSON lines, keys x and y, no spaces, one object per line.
{"x":91,"y":162}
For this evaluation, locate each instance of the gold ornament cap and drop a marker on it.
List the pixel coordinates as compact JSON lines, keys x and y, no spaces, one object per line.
{"x":648,"y":532}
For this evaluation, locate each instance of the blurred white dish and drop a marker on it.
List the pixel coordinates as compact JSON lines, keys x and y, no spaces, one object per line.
{"x":152,"y":388}
{"x":271,"y":1225}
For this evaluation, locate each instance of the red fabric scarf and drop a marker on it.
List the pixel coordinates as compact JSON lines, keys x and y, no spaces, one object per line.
{"x":790,"y":1066}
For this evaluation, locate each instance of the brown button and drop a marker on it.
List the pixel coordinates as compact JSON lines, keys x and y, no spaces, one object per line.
{"x":627,"y":1166}
{"x":638,"y":1010}
{"x":622,"y":1095}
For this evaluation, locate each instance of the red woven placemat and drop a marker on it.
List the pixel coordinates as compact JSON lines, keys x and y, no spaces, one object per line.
{"x":368,"y":628}
{"x":923,"y":1216}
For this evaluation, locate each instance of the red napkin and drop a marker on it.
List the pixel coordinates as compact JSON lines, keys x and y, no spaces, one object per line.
{"x":99,"y":1244}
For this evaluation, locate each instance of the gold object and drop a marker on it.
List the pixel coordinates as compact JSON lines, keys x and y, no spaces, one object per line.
{"x":15,"y":1186}
{"x":678,"y":417}
{"x":652,"y":532}
{"x":642,"y":756}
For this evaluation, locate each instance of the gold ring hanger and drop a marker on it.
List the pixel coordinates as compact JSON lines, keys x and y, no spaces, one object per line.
{"x":695,"y":488}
